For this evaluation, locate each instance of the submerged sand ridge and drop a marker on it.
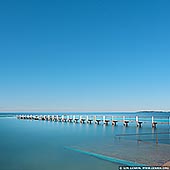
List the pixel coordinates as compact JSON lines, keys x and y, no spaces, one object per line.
{"x":167,"y":164}
{"x":150,"y":154}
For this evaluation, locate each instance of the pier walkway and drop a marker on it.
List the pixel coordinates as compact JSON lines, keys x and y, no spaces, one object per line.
{"x":100,"y":119}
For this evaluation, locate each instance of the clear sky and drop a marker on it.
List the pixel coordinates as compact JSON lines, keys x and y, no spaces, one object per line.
{"x":84,"y":55}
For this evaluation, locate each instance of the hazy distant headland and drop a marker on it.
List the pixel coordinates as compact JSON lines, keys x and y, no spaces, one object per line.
{"x":153,"y":111}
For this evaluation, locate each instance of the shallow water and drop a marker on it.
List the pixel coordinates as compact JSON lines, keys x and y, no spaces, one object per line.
{"x":32,"y":145}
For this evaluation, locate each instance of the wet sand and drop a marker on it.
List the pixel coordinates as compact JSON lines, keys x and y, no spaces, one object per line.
{"x":166,"y":164}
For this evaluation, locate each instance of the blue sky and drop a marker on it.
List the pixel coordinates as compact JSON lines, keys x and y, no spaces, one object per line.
{"x":88,"y":55}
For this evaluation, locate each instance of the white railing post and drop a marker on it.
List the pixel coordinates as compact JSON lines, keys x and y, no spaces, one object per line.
{"x":87,"y":118}
{"x":94,"y":118}
{"x":152,"y":119}
{"x":104,"y":118}
{"x":74,"y":117}
{"x":137,"y":119}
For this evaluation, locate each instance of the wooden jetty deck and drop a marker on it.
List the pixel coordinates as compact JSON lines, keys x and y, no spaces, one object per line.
{"x":99,"y":119}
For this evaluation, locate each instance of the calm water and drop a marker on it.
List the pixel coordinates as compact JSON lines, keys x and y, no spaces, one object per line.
{"x":32,"y":145}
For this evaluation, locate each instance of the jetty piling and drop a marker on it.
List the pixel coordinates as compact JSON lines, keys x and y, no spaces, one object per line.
{"x":83,"y":120}
{"x":59,"y":118}
{"x":114,"y":121}
{"x":80,"y":119}
{"x":98,"y":121}
{"x":105,"y":121}
{"x":89,"y":120}
{"x":75,"y":119}
{"x":138,"y":123}
{"x":153,"y":123}
{"x":70,"y":119}
{"x":125,"y":122}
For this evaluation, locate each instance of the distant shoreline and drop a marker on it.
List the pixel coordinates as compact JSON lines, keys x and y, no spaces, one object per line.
{"x":152,"y":111}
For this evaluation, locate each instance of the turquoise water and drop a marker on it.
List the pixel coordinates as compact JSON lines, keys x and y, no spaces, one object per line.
{"x":32,"y":145}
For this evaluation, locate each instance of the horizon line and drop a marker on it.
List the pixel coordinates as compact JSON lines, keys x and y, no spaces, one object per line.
{"x":18,"y":111}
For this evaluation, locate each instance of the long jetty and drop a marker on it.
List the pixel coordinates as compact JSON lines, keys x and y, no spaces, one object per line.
{"x":97,"y":119}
